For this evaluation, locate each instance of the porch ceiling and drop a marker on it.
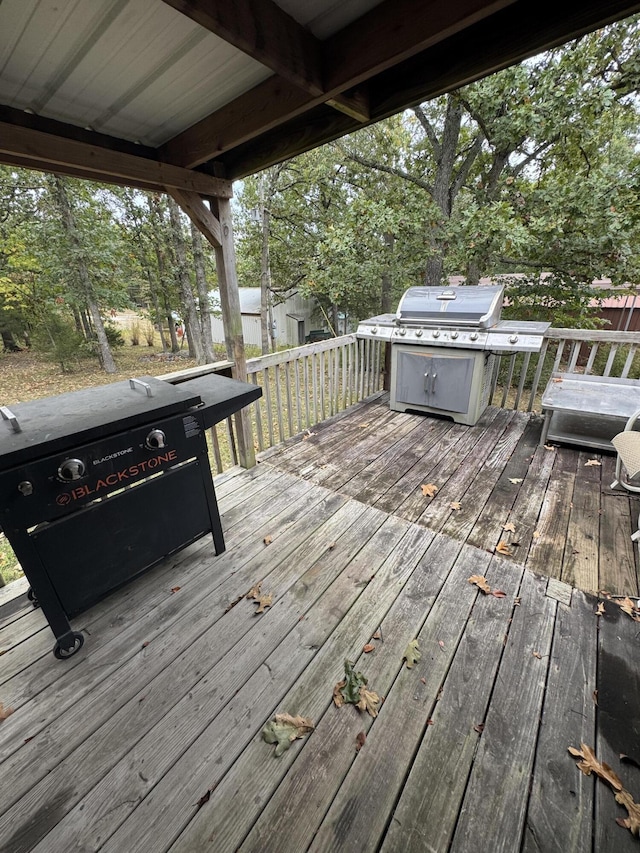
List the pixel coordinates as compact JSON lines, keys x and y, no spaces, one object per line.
{"x":181,"y":93}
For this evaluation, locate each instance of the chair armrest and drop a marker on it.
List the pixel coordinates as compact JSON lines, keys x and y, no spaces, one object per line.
{"x":632,"y":420}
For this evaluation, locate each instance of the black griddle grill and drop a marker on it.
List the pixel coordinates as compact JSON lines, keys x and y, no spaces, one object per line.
{"x":98,"y":485}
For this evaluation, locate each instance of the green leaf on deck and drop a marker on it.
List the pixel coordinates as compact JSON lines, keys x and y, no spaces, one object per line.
{"x":412,"y":654}
{"x":353,"y":689}
{"x":284,"y":729}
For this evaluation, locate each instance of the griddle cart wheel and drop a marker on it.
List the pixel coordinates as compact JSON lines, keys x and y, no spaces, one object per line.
{"x":32,"y":597}
{"x":63,"y":654}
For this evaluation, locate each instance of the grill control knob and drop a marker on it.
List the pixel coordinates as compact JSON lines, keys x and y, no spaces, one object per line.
{"x":156,"y":440}
{"x":454,"y":335}
{"x":403,"y":332}
{"x":71,"y":469}
{"x":436,"y":333}
{"x":473,"y":336}
{"x":419,"y":333}
{"x":374,"y":331}
{"x":513,"y":339}
{"x":25,"y":488}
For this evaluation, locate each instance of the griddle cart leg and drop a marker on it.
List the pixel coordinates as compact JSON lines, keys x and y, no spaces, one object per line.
{"x":212,"y":504}
{"x":68,"y":642}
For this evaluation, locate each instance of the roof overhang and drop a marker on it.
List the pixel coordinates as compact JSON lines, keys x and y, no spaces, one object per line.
{"x":189,"y":95}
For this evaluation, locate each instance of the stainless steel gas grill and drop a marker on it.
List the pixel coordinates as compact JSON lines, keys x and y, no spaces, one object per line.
{"x":443,"y":341}
{"x":98,"y":485}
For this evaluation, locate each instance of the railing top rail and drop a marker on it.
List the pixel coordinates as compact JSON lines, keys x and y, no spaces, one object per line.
{"x":195,"y":372}
{"x":288,"y":355}
{"x":595,"y":335}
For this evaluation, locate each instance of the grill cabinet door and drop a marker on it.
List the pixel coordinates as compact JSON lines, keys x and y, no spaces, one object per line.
{"x":441,"y":382}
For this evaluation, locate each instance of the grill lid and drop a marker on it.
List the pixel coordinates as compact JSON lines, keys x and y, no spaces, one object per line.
{"x":450,"y":306}
{"x":55,"y":424}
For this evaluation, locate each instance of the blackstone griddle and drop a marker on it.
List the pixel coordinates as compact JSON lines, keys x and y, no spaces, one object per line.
{"x":98,"y":485}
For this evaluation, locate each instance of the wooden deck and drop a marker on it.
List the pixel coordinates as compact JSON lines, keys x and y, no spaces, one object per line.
{"x":149,"y":738}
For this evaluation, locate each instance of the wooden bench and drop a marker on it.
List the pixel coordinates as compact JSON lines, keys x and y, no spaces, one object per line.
{"x":587,"y":410}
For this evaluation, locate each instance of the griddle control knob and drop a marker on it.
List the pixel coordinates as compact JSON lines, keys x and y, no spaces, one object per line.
{"x":419,"y":333}
{"x":436,"y":333}
{"x":71,"y":469}
{"x":403,"y":332}
{"x":454,"y":335}
{"x":25,"y":488}
{"x":156,"y":440}
{"x":513,"y":339}
{"x":473,"y":336}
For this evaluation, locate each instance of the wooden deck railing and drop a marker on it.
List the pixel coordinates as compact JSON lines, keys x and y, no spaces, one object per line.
{"x":304,"y":386}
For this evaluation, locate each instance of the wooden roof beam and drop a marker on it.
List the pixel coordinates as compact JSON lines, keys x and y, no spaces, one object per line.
{"x":392,"y":31}
{"x":67,"y":156}
{"x":264,"y":31}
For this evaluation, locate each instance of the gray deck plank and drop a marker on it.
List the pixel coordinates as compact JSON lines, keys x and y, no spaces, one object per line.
{"x":499,"y":781}
{"x":580,"y":566}
{"x":561,"y":800}
{"x":618,"y":723}
{"x":428,"y":805}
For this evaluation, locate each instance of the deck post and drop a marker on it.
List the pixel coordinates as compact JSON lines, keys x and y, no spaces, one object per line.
{"x":215,"y":224}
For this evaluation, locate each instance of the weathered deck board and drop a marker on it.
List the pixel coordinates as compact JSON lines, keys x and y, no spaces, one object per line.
{"x":580,"y":566}
{"x":149,"y":738}
{"x":499,"y":780}
{"x":561,"y":796}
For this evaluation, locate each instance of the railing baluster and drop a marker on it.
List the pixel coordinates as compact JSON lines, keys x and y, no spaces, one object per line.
{"x":279,"y":404}
{"x":287,"y":371}
{"x":523,"y":376}
{"x":610,"y":360}
{"x":258,"y":416}
{"x":507,"y":384}
{"x":591,"y":359}
{"x":315,"y":388}
{"x":296,"y":365}
{"x":560,"y":350}
{"x":336,"y":380}
{"x":536,"y":379}
{"x":306,"y":391}
{"x":629,"y":361}
{"x":215,"y":444}
{"x":573,"y":357}
{"x":232,"y":441}
{"x":266,"y":390}
{"x":330,"y":381}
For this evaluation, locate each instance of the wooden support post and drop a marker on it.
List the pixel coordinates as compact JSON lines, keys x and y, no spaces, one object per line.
{"x":216,"y":226}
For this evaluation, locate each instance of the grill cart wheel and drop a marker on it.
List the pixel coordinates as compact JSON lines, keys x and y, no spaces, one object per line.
{"x":32,"y":597}
{"x":63,"y":654}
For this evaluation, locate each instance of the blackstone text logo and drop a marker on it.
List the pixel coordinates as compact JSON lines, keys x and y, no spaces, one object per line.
{"x":118,"y":478}
{"x":113,"y":455}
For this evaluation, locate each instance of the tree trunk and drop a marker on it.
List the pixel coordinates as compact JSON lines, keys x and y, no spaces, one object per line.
{"x":194,"y":335}
{"x":66,"y":214}
{"x":203,"y":295}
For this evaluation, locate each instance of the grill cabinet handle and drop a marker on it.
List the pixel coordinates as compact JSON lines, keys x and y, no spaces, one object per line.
{"x":7,"y":415}
{"x":433,"y":383}
{"x":138,"y":383}
{"x":426,"y":383}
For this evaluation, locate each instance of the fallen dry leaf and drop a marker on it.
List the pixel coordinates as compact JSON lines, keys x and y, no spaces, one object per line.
{"x":628,"y":607}
{"x":368,"y":648}
{"x":262,"y":602}
{"x":455,"y":505}
{"x":284,"y":729}
{"x":536,"y":534}
{"x":429,"y":722}
{"x":503,"y":548}
{"x":515,"y":480}
{"x":369,"y":701}
{"x":175,"y":589}
{"x":412,"y":654}
{"x":591,"y":463}
{"x":429,"y":490}
{"x":360,"y":740}
{"x":307,"y":435}
{"x":267,"y":540}
{"x":377,"y":635}
{"x":590,"y":764}
{"x":423,"y":680}
{"x":517,"y":601}
{"x":254,"y":592}
{"x":362,"y":426}
{"x":537,"y":655}
{"x":557,"y":379}
{"x":338,"y":698}
{"x":600,"y":611}
{"x":481,"y":582}
{"x":331,"y":547}
{"x":632,"y":823}
{"x":5,"y":712}
{"x":441,"y":644}
{"x":510,"y":526}
{"x":498,"y":593}
{"x":595,"y":697}
{"x":204,"y":798}
{"x":550,"y":447}
{"x":479,"y":727}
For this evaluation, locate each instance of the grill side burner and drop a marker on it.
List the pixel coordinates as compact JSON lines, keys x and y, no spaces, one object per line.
{"x":90,"y":503}
{"x":443,"y":342}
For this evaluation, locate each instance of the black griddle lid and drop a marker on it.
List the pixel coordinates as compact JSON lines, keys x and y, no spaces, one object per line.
{"x":56,"y":424}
